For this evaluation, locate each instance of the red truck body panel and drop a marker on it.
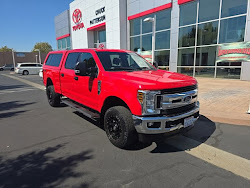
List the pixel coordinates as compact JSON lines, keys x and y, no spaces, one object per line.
{"x":121,"y":84}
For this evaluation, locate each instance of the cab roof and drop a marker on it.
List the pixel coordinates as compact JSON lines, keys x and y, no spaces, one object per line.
{"x":91,"y":49}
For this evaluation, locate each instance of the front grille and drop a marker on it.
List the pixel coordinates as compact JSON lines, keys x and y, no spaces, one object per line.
{"x":179,"y":89}
{"x":179,"y":110}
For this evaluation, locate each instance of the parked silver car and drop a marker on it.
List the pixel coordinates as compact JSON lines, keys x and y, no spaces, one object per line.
{"x":28,"y":68}
{"x":7,"y":67}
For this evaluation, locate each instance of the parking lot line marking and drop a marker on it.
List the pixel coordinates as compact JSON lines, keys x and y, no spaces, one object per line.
{"x":227,"y":161}
{"x":26,"y":82}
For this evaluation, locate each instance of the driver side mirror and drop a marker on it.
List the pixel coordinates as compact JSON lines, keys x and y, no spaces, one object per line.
{"x":155,"y":63}
{"x":81,"y":69}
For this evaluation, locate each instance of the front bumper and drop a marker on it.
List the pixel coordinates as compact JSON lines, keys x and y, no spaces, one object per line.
{"x":167,"y":124}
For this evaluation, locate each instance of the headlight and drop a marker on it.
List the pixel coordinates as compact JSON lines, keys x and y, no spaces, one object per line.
{"x":148,"y":101}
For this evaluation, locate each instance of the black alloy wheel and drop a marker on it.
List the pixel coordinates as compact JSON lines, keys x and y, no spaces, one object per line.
{"x":119,"y":127}
{"x":114,"y":127}
{"x":54,"y":98}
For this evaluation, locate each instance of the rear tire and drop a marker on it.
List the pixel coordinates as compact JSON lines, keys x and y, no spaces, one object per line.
{"x":25,"y":72}
{"x":119,"y":127}
{"x":54,"y":98}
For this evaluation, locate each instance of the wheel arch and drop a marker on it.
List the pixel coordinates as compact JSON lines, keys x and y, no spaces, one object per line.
{"x":49,"y":82}
{"x":109,"y":102}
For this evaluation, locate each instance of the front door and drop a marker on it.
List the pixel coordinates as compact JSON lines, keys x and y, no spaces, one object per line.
{"x":86,"y":87}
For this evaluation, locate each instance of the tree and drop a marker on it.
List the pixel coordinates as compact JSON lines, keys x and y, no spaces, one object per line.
{"x":5,"y":49}
{"x":43,"y":47}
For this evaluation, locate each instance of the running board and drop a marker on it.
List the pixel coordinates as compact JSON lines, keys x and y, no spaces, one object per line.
{"x":78,"y":107}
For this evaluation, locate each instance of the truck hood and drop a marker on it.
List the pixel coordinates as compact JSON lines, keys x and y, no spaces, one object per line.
{"x":156,"y":79}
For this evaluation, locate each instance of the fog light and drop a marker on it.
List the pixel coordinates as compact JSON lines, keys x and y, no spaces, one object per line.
{"x":155,"y":125}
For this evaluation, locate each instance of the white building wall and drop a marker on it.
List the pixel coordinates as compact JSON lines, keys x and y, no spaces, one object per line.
{"x":138,"y":6}
{"x":114,"y":14}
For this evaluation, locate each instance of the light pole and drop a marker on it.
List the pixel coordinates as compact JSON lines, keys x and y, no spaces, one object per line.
{"x":36,"y":58}
{"x":150,"y":19}
{"x":13,"y":57}
{"x":39,"y":55}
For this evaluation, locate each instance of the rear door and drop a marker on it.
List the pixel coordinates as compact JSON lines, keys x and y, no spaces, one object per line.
{"x":67,"y":75}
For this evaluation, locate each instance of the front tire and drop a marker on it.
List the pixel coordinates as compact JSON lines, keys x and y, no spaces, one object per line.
{"x":119,"y":127}
{"x":54,"y":98}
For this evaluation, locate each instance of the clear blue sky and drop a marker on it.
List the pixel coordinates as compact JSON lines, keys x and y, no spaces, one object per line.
{"x":26,"y":22}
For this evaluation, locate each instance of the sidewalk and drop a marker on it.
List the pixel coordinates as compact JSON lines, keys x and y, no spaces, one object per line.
{"x":225,"y":101}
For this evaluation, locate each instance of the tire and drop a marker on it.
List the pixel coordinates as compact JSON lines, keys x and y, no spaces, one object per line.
{"x":54,"y":98}
{"x":25,"y":72}
{"x":119,"y":127}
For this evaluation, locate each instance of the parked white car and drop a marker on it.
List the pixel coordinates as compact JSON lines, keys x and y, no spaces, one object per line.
{"x":28,"y":68}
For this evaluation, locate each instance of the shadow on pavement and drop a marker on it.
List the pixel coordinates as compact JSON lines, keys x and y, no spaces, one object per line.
{"x":12,"y":87}
{"x":13,"y":104}
{"x":10,"y":114}
{"x":202,"y":130}
{"x":40,"y":169}
{"x":191,"y":138}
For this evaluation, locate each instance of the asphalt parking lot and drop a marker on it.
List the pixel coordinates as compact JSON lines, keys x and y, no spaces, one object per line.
{"x":41,"y":146}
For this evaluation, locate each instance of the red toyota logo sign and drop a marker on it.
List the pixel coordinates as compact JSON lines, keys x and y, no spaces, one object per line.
{"x":77,"y":19}
{"x":77,"y":16}
{"x":101,"y":46}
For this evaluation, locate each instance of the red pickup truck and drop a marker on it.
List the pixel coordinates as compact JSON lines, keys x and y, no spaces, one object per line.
{"x":128,"y":95}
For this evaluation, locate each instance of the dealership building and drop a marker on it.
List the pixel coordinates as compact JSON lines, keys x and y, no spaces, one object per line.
{"x":200,"y":38}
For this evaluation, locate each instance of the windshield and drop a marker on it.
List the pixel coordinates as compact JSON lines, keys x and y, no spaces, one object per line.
{"x":122,"y":61}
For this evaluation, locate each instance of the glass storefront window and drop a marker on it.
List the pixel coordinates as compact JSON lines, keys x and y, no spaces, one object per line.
{"x":162,"y":57}
{"x":68,"y":43}
{"x":162,"y":40}
{"x":233,"y":7}
{"x":59,"y":44}
{"x":229,"y":73}
{"x":204,"y":72}
{"x":186,"y":70}
{"x":147,"y":42}
{"x":186,"y":57}
{"x":206,"y":56}
{"x":102,"y":36}
{"x":135,"y":26}
{"x":134,"y":43}
{"x":147,"y":26}
{"x":232,"y":30}
{"x":207,"y":33}
{"x":163,"y":19}
{"x":63,"y":43}
{"x":187,"y":36}
{"x":208,"y":10}
{"x":188,"y":13}
{"x":229,"y":64}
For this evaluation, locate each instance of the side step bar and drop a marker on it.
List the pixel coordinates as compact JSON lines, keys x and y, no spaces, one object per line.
{"x":80,"y":108}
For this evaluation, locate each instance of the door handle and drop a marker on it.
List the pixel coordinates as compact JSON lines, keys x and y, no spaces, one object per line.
{"x":62,"y":75}
{"x":76,"y":78}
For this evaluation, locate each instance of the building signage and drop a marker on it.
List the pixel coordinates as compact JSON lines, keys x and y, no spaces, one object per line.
{"x":77,"y":19}
{"x":101,"y":46}
{"x":99,"y":18}
{"x":234,"y":52}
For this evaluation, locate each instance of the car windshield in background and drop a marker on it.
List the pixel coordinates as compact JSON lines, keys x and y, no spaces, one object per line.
{"x":122,"y":61}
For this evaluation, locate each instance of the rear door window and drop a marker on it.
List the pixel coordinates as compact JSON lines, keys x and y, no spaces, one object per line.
{"x":54,"y":60}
